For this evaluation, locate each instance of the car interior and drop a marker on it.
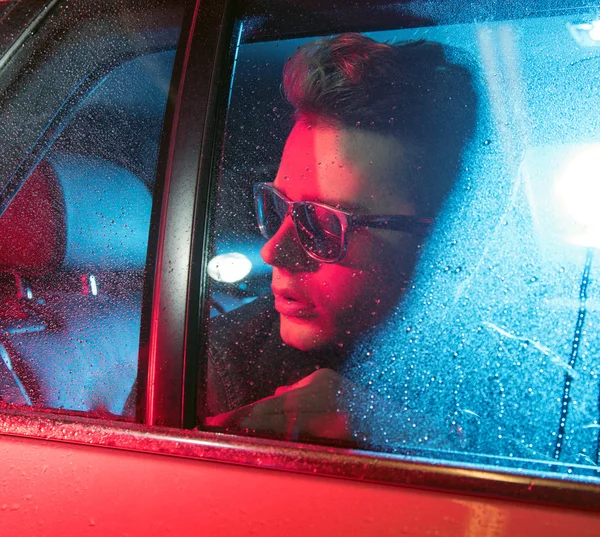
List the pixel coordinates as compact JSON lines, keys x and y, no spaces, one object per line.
{"x":73,"y":249}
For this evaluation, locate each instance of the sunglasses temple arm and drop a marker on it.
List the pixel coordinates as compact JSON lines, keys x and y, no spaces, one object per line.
{"x":409,"y":224}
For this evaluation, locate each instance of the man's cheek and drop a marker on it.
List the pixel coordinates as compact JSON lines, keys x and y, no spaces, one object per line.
{"x":357,"y":293}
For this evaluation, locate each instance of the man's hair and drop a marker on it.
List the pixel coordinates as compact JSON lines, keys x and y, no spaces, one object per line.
{"x":410,"y":91}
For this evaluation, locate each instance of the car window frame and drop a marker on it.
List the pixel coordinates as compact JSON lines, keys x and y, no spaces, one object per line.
{"x":501,"y":475}
{"x":20,"y":20}
{"x":169,"y":372}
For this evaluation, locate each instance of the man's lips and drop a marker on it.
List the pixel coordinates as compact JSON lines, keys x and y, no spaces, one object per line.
{"x":291,"y":304}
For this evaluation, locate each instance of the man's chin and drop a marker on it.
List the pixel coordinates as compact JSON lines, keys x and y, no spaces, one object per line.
{"x":303,"y":335}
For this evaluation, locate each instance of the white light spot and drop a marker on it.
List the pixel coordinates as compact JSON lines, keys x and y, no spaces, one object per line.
{"x":93,"y":285}
{"x":577,"y":189}
{"x":594,"y":31}
{"x":586,"y":34}
{"x":229,"y":268}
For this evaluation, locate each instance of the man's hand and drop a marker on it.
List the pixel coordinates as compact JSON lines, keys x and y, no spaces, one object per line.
{"x":310,"y":408}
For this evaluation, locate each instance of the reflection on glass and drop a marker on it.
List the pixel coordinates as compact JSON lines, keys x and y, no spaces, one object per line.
{"x":229,"y":268}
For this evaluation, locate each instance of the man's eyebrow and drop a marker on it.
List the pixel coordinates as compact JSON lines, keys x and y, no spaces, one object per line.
{"x":343,"y":206}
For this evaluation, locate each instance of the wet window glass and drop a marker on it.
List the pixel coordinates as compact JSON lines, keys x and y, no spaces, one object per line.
{"x":86,"y":102}
{"x":405,"y":237}
{"x":5,"y":5}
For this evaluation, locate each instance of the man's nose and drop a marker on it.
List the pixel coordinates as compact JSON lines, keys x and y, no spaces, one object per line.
{"x":284,"y":249}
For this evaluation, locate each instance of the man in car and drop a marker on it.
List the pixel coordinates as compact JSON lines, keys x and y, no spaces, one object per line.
{"x":375,"y":148}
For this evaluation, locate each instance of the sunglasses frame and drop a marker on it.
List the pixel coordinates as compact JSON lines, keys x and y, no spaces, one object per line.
{"x":348,"y":220}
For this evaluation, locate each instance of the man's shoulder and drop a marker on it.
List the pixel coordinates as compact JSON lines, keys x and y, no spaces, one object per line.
{"x":239,"y":353}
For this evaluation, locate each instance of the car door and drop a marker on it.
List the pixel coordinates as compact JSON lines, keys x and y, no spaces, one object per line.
{"x":133,"y":135}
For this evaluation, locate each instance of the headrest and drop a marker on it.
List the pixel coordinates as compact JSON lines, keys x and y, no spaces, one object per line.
{"x":78,"y":212}
{"x":32,"y":238}
{"x":107,"y":214}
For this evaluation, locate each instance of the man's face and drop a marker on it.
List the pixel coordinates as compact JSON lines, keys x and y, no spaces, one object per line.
{"x":323,"y":304}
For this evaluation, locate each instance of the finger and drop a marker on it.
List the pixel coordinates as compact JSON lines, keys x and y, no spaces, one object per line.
{"x":308,"y":399}
{"x":334,"y":426}
{"x":282,"y":389}
{"x":228,"y":419}
{"x":278,"y":424}
{"x":324,"y":375}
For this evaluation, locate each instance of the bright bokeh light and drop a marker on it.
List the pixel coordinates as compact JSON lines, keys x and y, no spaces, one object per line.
{"x":93,"y":285}
{"x":577,"y":190}
{"x":229,"y":268}
{"x":586,"y":34}
{"x":594,"y":31}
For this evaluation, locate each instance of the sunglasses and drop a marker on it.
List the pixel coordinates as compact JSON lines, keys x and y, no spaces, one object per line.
{"x":322,"y":229}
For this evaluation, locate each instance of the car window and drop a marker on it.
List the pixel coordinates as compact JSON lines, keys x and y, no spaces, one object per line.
{"x":5,"y":5}
{"x":404,"y":233}
{"x":86,"y":98}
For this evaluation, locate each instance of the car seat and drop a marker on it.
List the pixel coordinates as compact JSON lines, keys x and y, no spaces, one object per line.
{"x":72,"y":257}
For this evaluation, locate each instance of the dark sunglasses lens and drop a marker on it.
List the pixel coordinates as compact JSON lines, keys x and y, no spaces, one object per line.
{"x":270,"y":211}
{"x":319,"y":231}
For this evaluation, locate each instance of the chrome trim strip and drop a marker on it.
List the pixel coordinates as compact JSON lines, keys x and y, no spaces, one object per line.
{"x":31,"y":29}
{"x":307,"y":459}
